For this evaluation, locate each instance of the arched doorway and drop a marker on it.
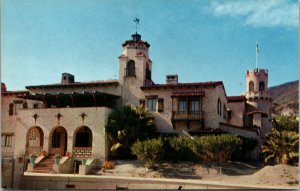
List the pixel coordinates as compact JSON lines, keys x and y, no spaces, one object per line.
{"x":58,"y":141}
{"x":83,"y":142}
{"x":34,"y":140}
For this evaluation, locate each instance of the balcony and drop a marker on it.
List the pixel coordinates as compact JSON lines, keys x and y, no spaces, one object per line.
{"x":187,"y":115}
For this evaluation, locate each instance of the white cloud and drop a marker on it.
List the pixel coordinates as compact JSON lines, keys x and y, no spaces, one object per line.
{"x":259,"y":13}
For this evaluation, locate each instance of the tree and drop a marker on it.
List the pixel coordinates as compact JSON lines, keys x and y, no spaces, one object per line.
{"x":281,"y":146}
{"x":128,"y":124}
{"x":285,"y":123}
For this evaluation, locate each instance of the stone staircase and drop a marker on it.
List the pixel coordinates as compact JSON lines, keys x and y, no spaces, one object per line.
{"x":45,"y":166}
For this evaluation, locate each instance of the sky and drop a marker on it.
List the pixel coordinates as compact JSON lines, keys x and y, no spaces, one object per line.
{"x":200,"y":40}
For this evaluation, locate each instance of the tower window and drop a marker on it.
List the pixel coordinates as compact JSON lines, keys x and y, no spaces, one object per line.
{"x":130,"y":70}
{"x":148,"y":72}
{"x":251,"y":86}
{"x":11,"y":109}
{"x":261,"y":86}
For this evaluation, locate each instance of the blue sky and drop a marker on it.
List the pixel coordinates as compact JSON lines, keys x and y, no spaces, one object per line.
{"x":200,"y":40}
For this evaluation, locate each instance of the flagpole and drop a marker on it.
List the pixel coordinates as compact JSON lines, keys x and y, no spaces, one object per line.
{"x":256,"y":55}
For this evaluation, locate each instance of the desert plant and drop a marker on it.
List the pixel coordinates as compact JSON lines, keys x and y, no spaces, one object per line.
{"x":147,"y":151}
{"x":126,"y":125}
{"x":285,"y":123}
{"x":281,"y":147}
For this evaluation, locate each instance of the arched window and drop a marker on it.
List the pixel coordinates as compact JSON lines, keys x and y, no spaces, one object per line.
{"x":224,"y":112}
{"x":261,"y":86}
{"x":251,"y":86}
{"x":219,"y":107}
{"x":130,"y":68}
{"x":148,"y":72}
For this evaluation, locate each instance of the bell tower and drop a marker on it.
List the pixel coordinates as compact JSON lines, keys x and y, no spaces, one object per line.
{"x":135,"y":68}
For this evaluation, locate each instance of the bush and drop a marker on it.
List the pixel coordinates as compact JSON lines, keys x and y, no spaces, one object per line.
{"x":107,"y":165}
{"x":217,"y":148}
{"x":148,"y":151}
{"x":180,"y":148}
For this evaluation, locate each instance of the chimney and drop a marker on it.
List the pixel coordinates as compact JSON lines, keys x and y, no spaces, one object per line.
{"x":67,"y":78}
{"x":172,"y":79}
{"x":3,"y":87}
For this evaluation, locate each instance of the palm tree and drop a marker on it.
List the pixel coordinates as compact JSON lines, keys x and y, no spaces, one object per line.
{"x":281,"y":146}
{"x":128,"y":124}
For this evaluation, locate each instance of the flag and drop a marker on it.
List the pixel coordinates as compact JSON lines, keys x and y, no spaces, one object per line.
{"x":136,"y":20}
{"x":257,"y":50}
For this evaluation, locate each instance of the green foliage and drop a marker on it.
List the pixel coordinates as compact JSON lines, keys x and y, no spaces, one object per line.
{"x":285,"y":123}
{"x":180,"y":148}
{"x":216,"y":148}
{"x":281,"y":146}
{"x":148,"y":151}
{"x":126,"y":125}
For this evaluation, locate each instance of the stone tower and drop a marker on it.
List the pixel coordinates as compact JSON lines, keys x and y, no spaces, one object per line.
{"x":135,"y":69}
{"x":259,"y":102}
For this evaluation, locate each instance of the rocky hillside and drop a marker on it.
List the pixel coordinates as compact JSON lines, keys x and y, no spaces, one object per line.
{"x":285,"y":98}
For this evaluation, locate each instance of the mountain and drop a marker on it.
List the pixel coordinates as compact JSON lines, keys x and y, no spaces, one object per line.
{"x":285,"y":98}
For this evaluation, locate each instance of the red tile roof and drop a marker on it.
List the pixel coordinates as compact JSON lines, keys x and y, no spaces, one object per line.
{"x":93,"y":83}
{"x":184,"y":85}
{"x":15,"y":92}
{"x":136,"y":41}
{"x":236,"y":98}
{"x":188,"y":93}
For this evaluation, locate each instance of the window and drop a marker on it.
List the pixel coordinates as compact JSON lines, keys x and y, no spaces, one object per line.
{"x":194,"y":106}
{"x":251,"y":86}
{"x":224,"y":112}
{"x":35,"y":105}
{"x":11,"y":109}
{"x":130,"y":68}
{"x":219,"y":107}
{"x":182,"y":106}
{"x":142,"y":102}
{"x":151,"y":104}
{"x":261,"y":86}
{"x":160,"y":105}
{"x":148,"y":72}
{"x":6,"y":140}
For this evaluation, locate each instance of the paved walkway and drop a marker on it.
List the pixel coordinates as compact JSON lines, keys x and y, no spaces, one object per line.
{"x":165,"y":181}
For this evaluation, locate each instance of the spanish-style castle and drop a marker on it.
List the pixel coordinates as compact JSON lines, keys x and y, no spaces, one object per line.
{"x":70,"y":116}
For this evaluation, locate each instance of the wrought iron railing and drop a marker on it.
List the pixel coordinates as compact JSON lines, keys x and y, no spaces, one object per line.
{"x":82,"y":152}
{"x":33,"y":150}
{"x":187,"y":115}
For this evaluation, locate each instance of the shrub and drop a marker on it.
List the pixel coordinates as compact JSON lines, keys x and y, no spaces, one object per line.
{"x":148,"y":151}
{"x":107,"y":165}
{"x":180,"y":148}
{"x":217,"y":148}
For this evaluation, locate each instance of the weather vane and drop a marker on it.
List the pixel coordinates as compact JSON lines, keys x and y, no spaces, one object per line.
{"x":137,"y":22}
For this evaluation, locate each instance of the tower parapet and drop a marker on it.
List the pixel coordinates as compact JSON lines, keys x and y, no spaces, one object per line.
{"x":257,"y":83}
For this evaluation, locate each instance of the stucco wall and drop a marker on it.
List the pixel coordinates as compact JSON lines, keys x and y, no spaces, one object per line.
{"x":237,"y":113}
{"x":71,"y":120}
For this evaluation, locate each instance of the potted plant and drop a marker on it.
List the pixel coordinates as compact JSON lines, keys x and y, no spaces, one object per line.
{"x":32,"y":158}
{"x":57,"y":158}
{"x":83,"y":161}
{"x":68,"y":154}
{"x":43,"y":153}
